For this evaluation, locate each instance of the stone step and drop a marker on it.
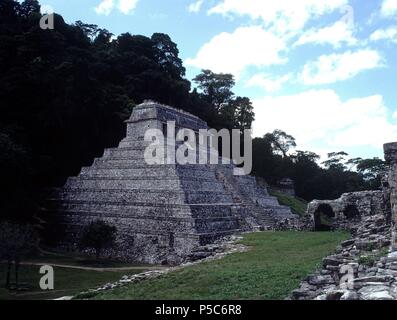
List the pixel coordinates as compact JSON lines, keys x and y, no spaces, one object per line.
{"x":147,"y":171}
{"x":194,"y":210}
{"x":128,"y":162}
{"x":174,"y":224}
{"x":140,"y":215}
{"x":140,"y":151}
{"x":141,"y":183}
{"x":140,"y":161}
{"x":166,"y":197}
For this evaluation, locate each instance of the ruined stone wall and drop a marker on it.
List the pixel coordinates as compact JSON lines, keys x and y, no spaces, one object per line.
{"x":285,"y":186}
{"x":350,"y":208}
{"x":391,"y":158}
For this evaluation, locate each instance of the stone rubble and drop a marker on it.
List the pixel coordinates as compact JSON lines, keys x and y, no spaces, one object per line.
{"x":365,"y":266}
{"x":374,"y":276}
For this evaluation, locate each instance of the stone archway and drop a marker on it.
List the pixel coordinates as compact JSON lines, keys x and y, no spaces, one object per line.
{"x":351,"y":212}
{"x":323,"y":217}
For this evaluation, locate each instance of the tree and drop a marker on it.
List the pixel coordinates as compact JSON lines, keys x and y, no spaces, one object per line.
{"x":216,"y":87}
{"x":280,"y":141}
{"x":167,"y":55}
{"x":372,"y":171}
{"x":244,"y":112}
{"x":336,"y":161}
{"x":16,"y":242}
{"x":98,"y":235}
{"x":29,"y":7}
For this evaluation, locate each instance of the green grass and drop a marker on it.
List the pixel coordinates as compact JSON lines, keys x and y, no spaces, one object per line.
{"x":298,"y":206}
{"x":369,"y":258}
{"x":66,"y":282}
{"x":76,"y":259}
{"x":274,"y":266}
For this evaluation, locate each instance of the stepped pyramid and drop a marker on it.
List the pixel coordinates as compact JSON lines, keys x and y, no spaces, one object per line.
{"x":164,"y":213}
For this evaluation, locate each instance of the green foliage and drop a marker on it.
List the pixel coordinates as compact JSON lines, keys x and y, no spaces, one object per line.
{"x":98,"y":235}
{"x":298,"y":206}
{"x":273,"y":161}
{"x":367,"y":260}
{"x":231,"y":112}
{"x":217,"y":88}
{"x":335,"y":160}
{"x":280,"y":141}
{"x":17,"y":241}
{"x":274,"y":266}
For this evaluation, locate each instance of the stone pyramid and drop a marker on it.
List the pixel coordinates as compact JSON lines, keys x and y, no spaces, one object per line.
{"x":163,"y":213}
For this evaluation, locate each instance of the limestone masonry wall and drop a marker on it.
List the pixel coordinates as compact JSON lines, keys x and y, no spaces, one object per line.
{"x":345,"y":212}
{"x":390,"y":150}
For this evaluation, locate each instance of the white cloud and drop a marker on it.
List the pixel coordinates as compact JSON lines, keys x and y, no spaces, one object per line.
{"x":394,"y":116}
{"x":389,"y":8}
{"x":267,"y":82}
{"x":127,"y":6}
{"x":339,"y":67}
{"x":233,"y":52}
{"x":195,"y":6}
{"x":124,"y":6}
{"x":322,"y":122}
{"x":285,"y":15}
{"x":105,"y":7}
{"x":385,"y":34}
{"x":335,"y":35}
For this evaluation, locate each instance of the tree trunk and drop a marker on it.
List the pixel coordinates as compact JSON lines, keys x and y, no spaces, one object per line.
{"x":16,"y":273}
{"x":8,"y":274}
{"x":98,"y":253}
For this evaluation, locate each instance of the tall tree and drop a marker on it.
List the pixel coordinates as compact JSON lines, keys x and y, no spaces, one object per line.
{"x":244,"y":112}
{"x":167,"y":55}
{"x":281,"y":142}
{"x":216,"y":87}
{"x":336,"y":161}
{"x":16,"y":242}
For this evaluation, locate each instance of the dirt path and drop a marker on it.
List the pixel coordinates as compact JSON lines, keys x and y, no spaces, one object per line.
{"x":112,"y":269}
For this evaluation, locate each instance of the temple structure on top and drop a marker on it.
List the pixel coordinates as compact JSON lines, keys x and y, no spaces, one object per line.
{"x":164,"y":213}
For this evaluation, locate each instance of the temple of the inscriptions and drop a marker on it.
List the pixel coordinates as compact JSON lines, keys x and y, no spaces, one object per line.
{"x":164,"y":213}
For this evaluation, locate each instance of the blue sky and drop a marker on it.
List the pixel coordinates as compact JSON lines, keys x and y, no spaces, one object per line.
{"x":322,"y":70}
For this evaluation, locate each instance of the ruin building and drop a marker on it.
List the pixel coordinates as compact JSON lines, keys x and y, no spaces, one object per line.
{"x":350,"y":208}
{"x":164,"y":213}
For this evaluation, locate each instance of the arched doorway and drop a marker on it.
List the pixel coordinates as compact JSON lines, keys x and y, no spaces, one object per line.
{"x":351,"y":212}
{"x":323,"y":218}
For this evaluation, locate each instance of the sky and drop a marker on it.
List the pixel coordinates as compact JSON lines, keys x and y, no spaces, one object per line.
{"x":324,"y":71}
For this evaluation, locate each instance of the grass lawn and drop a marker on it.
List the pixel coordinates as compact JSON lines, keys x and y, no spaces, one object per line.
{"x":298,"y":206}
{"x":66,"y":282}
{"x":274,"y":266}
{"x":80,"y":260}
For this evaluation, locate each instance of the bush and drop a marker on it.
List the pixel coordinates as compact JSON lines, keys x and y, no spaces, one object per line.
{"x":98,"y":235}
